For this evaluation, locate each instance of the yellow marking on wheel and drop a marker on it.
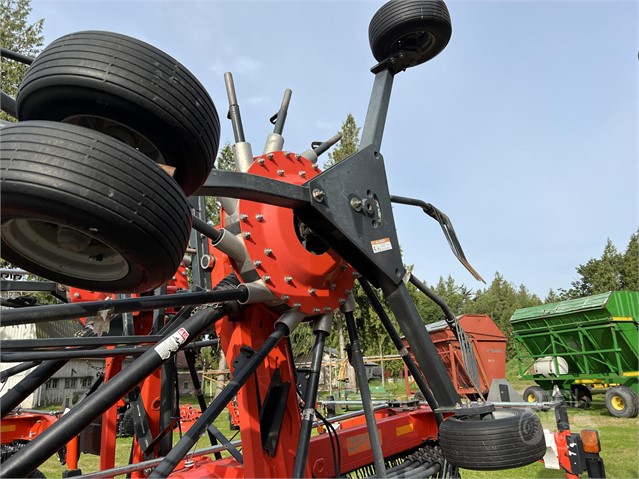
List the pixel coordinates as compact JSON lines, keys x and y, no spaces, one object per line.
{"x":618,"y":403}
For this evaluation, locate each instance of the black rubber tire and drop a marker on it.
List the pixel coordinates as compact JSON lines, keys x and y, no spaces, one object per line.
{"x":535,"y":394}
{"x":125,"y":426}
{"x":108,"y":76}
{"x":420,"y":28}
{"x":9,"y":450}
{"x":621,"y":401}
{"x":513,"y":438}
{"x":581,"y":396}
{"x":60,"y":180}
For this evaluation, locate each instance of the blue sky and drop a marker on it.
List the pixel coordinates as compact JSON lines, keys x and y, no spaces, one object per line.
{"x":523,"y":130}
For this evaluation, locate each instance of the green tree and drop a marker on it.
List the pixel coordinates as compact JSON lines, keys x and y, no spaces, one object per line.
{"x":629,"y":270}
{"x":499,"y":301}
{"x":347,"y":145}
{"x":21,"y":36}
{"x":225,"y":161}
{"x":598,"y":275}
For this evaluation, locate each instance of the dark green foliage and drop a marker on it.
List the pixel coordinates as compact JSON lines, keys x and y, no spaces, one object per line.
{"x":18,"y":35}
{"x":348,"y":144}
{"x":613,"y":271}
{"x":225,"y":161}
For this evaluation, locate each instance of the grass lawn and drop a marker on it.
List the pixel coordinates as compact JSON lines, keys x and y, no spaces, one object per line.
{"x":619,"y":442}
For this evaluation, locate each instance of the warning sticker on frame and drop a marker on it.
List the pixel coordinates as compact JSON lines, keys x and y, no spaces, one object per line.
{"x":380,"y":245}
{"x":172,"y":343}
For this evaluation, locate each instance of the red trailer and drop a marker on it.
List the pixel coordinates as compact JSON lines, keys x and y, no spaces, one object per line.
{"x":489,"y":346}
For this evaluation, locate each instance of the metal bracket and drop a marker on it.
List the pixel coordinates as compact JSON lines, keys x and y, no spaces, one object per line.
{"x":245,"y":354}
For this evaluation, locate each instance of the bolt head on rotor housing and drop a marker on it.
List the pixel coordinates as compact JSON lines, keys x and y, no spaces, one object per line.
{"x":294,"y":263}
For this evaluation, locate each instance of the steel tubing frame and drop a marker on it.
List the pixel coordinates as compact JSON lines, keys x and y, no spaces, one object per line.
{"x":71,"y":424}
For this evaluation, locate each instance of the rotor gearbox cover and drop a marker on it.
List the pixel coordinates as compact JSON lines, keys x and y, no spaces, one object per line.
{"x":296,"y":266}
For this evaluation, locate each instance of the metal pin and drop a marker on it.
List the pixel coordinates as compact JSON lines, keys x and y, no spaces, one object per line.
{"x":317,"y":310}
{"x":342,"y":301}
{"x":257,"y":263}
{"x":259,"y":217}
{"x":318,"y":195}
{"x":76,"y":295}
{"x":246,"y":234}
{"x":311,"y":291}
{"x":260,"y":161}
{"x":269,"y":156}
{"x":327,"y":309}
{"x":288,"y":279}
{"x":302,"y":174}
{"x":297,"y":305}
{"x":266,"y":278}
{"x":332,"y":286}
{"x":315,"y":166}
{"x":243,"y":217}
{"x":268,"y":251}
{"x":280,"y":172}
{"x":285,"y":297}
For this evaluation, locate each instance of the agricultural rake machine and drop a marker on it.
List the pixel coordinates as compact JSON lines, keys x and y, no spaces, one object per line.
{"x":103,"y":185}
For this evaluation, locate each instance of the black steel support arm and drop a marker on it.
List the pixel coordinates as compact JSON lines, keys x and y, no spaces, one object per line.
{"x":39,"y":314}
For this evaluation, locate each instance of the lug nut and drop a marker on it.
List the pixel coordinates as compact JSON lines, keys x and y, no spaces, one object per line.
{"x":260,"y":161}
{"x":243,"y":217}
{"x":280,"y":172}
{"x":246,"y":234}
{"x":288,"y":279}
{"x":268,"y":251}
{"x":266,"y":278}
{"x":257,"y":263}
{"x":259,"y":217}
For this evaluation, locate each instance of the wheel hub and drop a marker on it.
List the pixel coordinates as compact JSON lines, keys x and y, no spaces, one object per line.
{"x":618,"y":403}
{"x":64,"y":249}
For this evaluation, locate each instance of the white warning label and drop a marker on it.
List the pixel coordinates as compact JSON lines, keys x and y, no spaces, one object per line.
{"x":380,"y":245}
{"x":172,"y":343}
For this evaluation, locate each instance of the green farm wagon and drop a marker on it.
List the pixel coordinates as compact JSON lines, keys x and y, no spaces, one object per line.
{"x":582,"y":345}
